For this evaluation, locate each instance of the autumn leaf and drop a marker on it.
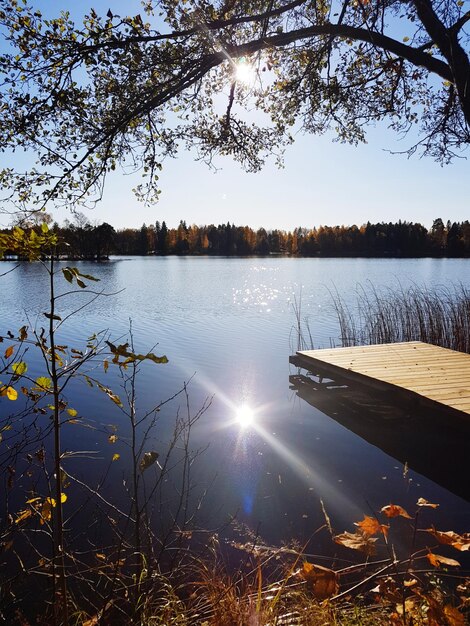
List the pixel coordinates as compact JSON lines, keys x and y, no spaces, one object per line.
{"x":44,"y":383}
{"x":11,"y":393}
{"x":9,"y":351}
{"x":394,"y":510}
{"x":112,"y":438}
{"x":100,"y":556}
{"x":357,"y":541}
{"x":19,"y":368}
{"x":116,"y":457}
{"x":371,"y":526}
{"x":449,"y":538}
{"x":72,"y":412}
{"x":423,"y":502}
{"x":322,"y":581}
{"x":453,"y":616}
{"x":22,"y":515}
{"x":437,"y":559}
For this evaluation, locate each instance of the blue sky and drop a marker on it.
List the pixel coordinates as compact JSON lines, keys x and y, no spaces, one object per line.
{"x":322,"y":182}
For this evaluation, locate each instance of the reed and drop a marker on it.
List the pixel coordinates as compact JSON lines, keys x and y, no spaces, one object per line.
{"x":440,"y":316}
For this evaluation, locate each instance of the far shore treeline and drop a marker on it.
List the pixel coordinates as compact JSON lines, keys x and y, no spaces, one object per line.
{"x":82,"y":240}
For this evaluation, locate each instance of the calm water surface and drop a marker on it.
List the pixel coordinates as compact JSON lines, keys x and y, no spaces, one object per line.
{"x":227,"y":324}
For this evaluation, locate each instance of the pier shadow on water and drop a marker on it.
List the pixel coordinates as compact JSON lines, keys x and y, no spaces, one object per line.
{"x":428,"y":441}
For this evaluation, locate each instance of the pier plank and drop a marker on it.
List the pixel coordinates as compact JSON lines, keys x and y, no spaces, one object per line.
{"x":430,"y":372}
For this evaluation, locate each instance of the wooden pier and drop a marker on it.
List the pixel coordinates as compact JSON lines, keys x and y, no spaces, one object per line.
{"x":433,"y":376}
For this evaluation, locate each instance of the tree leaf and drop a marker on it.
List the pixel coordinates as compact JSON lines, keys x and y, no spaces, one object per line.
{"x":322,"y":580}
{"x":9,"y":351}
{"x":68,"y":275}
{"x":19,"y":368}
{"x":116,"y":457}
{"x":22,"y":515}
{"x":72,"y":412}
{"x":44,"y":383}
{"x":394,"y":510}
{"x":148,"y":460}
{"x":437,"y":559}
{"x":52,"y":317}
{"x":11,"y":393}
{"x":112,"y":438}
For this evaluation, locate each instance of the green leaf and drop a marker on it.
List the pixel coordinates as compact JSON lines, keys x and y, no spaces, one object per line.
{"x":44,"y":228}
{"x":80,"y":283}
{"x":148,"y":460}
{"x":19,"y":368}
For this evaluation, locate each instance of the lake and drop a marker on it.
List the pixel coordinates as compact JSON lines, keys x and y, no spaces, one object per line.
{"x":227,"y":325}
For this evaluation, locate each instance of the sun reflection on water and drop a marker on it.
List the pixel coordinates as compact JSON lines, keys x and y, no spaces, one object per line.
{"x":244,"y":416}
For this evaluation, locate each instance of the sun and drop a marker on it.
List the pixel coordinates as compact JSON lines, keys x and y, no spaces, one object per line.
{"x":244,"y":416}
{"x":244,"y":72}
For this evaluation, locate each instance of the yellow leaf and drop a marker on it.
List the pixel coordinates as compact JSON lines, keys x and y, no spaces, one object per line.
{"x":32,"y":500}
{"x":112,"y":438}
{"x":22,"y":515}
{"x":19,"y":368}
{"x":63,"y":497}
{"x":72,"y":412}
{"x":100,"y":556}
{"x":9,"y":351}
{"x":43,"y":382}
{"x":11,"y":393}
{"x":116,"y":457}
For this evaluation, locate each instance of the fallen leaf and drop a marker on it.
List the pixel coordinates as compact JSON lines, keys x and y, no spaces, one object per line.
{"x":357,"y":541}
{"x":423,"y":502}
{"x":449,"y":538}
{"x":394,"y":510}
{"x":454,"y":616}
{"x":437,"y":559}
{"x":371,"y":526}
{"x":323,"y":581}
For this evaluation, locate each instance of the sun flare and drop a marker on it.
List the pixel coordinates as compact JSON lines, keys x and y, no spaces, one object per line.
{"x":244,"y":416}
{"x":244,"y":72}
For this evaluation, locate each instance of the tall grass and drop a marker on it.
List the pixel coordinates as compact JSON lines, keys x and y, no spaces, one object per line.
{"x":440,"y":316}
